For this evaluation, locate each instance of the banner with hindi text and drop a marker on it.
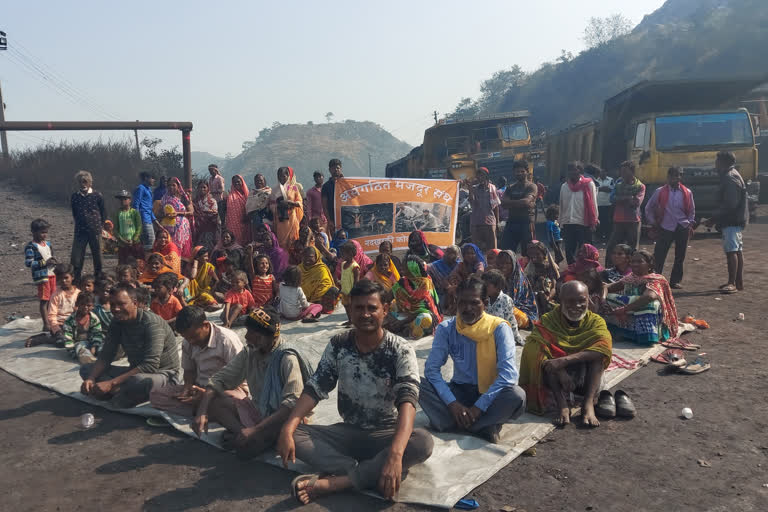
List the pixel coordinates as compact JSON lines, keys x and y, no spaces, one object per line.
{"x":372,"y":210}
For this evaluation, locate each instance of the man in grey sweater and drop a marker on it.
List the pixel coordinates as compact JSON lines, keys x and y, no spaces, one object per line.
{"x":149,"y":344}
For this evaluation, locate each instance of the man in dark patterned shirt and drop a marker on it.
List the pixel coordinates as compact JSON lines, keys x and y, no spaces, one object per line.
{"x":378,"y":380}
{"x":88,"y":212}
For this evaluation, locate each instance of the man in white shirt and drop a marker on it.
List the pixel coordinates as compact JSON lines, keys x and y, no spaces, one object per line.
{"x":605,"y":186}
{"x":578,"y":210}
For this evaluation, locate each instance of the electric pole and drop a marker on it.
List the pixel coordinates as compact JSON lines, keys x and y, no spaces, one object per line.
{"x":3,"y":136}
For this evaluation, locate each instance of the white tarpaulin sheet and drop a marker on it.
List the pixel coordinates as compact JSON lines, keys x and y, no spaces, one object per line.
{"x":459,"y":463}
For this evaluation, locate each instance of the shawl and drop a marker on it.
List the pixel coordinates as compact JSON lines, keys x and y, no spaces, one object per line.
{"x":386,"y":280}
{"x":659,"y":284}
{"x":661,"y":204}
{"x":590,"y":212}
{"x":416,"y":295}
{"x":590,"y":260}
{"x":361,"y":258}
{"x":316,"y":279}
{"x":552,"y":337}
{"x":271,"y":395}
{"x":482,"y":333}
{"x":205,"y":204}
{"x":170,"y":253}
{"x":428,"y":252}
{"x":236,"y":210}
{"x":277,"y":255}
{"x":550,"y":267}
{"x":520,"y":290}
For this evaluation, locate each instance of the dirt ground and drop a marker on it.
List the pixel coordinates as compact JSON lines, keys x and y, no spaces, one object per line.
{"x":716,"y":461}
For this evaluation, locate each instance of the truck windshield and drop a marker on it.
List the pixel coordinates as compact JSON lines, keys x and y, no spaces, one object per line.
{"x":514,"y":131}
{"x":728,"y":129}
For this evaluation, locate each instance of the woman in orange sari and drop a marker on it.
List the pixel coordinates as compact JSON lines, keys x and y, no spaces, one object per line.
{"x":287,"y":207}
{"x":170,"y":252}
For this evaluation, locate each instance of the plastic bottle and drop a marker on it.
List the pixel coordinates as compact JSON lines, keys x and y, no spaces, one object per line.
{"x":87,"y":420}
{"x":687,"y":413}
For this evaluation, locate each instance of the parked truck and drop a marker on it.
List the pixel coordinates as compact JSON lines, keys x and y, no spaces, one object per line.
{"x":456,"y":147}
{"x":660,"y":124}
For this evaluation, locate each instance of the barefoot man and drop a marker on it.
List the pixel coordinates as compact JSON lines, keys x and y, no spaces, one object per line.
{"x":567,"y":352}
{"x":378,"y":383}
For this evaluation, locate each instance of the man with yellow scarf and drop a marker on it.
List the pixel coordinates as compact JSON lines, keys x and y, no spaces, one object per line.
{"x":568,"y":351}
{"x":483,"y":393}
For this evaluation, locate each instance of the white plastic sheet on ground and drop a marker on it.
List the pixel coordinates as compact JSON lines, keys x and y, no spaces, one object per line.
{"x":459,"y":463}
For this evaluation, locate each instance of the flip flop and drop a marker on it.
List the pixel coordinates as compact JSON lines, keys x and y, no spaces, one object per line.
{"x":606,"y":405}
{"x":673,"y":356}
{"x":312,"y":481}
{"x":681,"y":344}
{"x":698,"y":366}
{"x":624,"y":406}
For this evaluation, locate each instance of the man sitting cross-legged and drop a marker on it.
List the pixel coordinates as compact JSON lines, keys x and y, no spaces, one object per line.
{"x":149,"y":343}
{"x":206,"y":349}
{"x":378,"y":379}
{"x":483,"y":393}
{"x":567,"y":351}
{"x":275,"y":373}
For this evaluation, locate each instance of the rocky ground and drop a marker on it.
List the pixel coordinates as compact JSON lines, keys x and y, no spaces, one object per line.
{"x":716,"y":461}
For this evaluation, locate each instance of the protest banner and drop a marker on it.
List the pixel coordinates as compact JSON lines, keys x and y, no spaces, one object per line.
{"x":372,"y":210}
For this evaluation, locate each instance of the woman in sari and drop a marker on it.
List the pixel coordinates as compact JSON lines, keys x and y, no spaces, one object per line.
{"x":472,"y":262}
{"x":175,"y":207}
{"x":207,"y":223}
{"x":361,"y":258}
{"x":418,"y":246}
{"x":587,"y":257}
{"x":644,"y":310}
{"x":236,"y":220}
{"x":620,"y":261}
{"x":519,"y":289}
{"x":258,"y":202}
{"x":228,"y":248}
{"x":287,"y":207}
{"x":316,"y":279}
{"x":168,"y":249}
{"x":296,"y":250}
{"x":155,"y":267}
{"x":440,"y":271}
{"x":383,"y":272}
{"x":542,"y":274}
{"x":416,"y":301}
{"x":266,"y":243}
{"x":203,"y":279}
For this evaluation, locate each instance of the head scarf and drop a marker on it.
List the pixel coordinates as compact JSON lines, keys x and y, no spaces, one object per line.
{"x":277,"y":255}
{"x":182,"y":193}
{"x":591,"y":259}
{"x":148,"y":276}
{"x":386,"y":280}
{"x":316,"y":279}
{"x":416,"y":294}
{"x":551,"y":271}
{"x":427,"y":252}
{"x":479,"y":255}
{"x":336,"y":243}
{"x":519,"y":289}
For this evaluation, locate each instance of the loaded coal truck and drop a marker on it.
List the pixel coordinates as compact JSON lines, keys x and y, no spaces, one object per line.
{"x":660,"y":124}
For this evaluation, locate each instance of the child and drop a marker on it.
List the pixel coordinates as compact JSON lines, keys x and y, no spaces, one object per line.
{"x":203,"y":281}
{"x":329,"y":300}
{"x":87,"y":283}
{"x":38,"y":256}
{"x":165,"y":304}
{"x":350,"y":274}
{"x":226,"y":277}
{"x":543,"y":274}
{"x":101,"y":309}
{"x":238,"y":301}
{"x":554,"y":238}
{"x":321,"y":238}
{"x":61,"y":305}
{"x":293,"y":302}
{"x":143,"y":297}
{"x":264,"y":287}
{"x":499,"y":303}
{"x":126,"y":274}
{"x":83,"y":333}
{"x":127,"y":230}
{"x":385,"y":247}
{"x":108,"y":240}
{"x":490,"y":258}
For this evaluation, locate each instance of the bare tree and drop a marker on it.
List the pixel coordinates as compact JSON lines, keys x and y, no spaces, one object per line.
{"x":600,"y":31}
{"x":329,"y":116}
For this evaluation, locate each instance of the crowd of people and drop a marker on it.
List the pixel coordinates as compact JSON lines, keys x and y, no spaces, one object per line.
{"x":266,"y":256}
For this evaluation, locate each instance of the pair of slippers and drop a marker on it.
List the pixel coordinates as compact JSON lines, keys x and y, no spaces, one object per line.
{"x":675,"y":358}
{"x":613,"y":405}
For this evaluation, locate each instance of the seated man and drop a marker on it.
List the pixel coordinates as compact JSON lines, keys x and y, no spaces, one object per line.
{"x":149,"y":343}
{"x":206,"y":349}
{"x":275,"y":373}
{"x":483,"y":393}
{"x":378,"y":378}
{"x":566,"y":352}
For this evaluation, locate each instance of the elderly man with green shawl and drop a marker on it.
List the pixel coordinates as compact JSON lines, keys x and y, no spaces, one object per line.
{"x":568,"y":351}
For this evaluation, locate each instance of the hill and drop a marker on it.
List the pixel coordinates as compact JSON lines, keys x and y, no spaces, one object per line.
{"x":309,"y":147}
{"x":201,"y":160}
{"x":681,"y":39}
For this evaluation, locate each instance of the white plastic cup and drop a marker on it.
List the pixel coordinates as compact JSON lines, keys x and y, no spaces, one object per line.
{"x":740,"y":316}
{"x":87,"y":420}
{"x":687,"y":413}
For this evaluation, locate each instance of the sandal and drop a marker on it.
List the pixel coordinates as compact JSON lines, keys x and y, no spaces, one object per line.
{"x":698,"y":366}
{"x":680,"y":343}
{"x":728,"y":289}
{"x":312,"y":481}
{"x":671,"y":356}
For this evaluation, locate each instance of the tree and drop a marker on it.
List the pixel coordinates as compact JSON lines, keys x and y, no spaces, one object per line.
{"x":329,"y":116}
{"x":465,"y":108}
{"x":165,"y":162}
{"x":600,"y":31}
{"x":497,"y":88}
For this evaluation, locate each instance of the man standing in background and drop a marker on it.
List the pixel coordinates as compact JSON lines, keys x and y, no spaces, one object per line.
{"x":578,"y":210}
{"x":605,"y":188}
{"x":627,"y":197}
{"x":217,"y":188}
{"x":88,"y":212}
{"x":143,"y":199}
{"x":520,"y":201}
{"x":328,"y":193}
{"x":315,"y":200}
{"x":484,"y":218}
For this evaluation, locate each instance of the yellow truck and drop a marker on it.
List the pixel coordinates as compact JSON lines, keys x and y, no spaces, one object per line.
{"x":662,"y":124}
{"x":456,"y":147}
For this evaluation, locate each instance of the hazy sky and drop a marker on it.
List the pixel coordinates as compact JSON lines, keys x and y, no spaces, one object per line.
{"x":233,"y":68}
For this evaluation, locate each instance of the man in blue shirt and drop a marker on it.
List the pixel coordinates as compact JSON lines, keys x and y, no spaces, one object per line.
{"x":483,"y":393}
{"x":142,"y":202}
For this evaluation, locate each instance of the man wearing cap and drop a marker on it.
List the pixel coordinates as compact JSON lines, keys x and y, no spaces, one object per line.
{"x":217,"y":188}
{"x":378,"y":388}
{"x":484,"y":218}
{"x":275,"y":373}
{"x":142,"y":203}
{"x":128,"y":227}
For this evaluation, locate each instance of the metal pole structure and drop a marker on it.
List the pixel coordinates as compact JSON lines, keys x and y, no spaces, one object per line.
{"x":187,"y":154}
{"x":369,"y":165}
{"x":136,"y":136}
{"x":3,"y":135}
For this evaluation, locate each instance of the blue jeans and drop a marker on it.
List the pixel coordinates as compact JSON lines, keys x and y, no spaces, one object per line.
{"x":147,"y":236}
{"x":732,"y":241}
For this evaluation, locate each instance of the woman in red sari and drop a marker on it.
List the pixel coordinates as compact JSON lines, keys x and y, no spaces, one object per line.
{"x":237,"y":222}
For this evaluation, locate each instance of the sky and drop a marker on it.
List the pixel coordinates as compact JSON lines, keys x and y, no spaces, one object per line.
{"x":235,"y":67}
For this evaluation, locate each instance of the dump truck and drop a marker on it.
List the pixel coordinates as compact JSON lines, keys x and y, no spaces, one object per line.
{"x":456,"y":147}
{"x":660,"y":124}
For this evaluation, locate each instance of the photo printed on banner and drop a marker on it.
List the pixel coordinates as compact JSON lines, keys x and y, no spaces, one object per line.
{"x":427,"y":217}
